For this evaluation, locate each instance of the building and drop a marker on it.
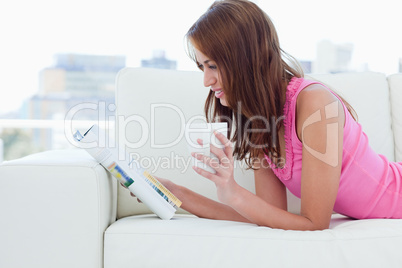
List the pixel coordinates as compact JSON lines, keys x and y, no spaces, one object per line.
{"x":159,"y":61}
{"x":74,"y":79}
{"x":81,"y":75}
{"x":333,"y":58}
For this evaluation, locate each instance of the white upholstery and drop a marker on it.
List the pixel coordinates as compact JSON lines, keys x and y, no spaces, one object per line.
{"x":59,"y":207}
{"x":395,"y":86}
{"x":187,"y":241}
{"x":55,"y":207}
{"x":168,"y":96}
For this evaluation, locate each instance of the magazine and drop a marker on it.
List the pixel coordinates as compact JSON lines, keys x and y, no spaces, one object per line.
{"x":129,"y":173}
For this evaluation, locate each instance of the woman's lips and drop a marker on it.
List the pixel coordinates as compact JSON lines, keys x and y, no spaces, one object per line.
{"x":218,"y":93}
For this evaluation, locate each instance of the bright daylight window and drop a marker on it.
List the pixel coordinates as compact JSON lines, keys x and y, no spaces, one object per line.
{"x":55,"y":55}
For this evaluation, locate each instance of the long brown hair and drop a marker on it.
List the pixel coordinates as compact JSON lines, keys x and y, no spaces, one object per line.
{"x":241,"y":39}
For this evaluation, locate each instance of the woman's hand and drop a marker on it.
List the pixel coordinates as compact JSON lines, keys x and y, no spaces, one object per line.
{"x":139,"y":201}
{"x":224,"y":167}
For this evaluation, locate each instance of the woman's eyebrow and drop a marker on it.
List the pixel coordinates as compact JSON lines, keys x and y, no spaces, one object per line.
{"x":205,"y":62}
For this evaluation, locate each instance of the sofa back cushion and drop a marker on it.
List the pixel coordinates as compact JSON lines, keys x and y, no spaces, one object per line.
{"x":152,"y":108}
{"x":154,"y":105}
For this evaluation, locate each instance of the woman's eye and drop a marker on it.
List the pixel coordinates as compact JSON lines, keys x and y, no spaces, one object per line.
{"x":212,"y":67}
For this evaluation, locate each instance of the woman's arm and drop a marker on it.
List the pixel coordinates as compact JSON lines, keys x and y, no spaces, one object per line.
{"x":320,"y":120}
{"x":320,"y":129}
{"x":267,"y":185}
{"x":202,"y":206}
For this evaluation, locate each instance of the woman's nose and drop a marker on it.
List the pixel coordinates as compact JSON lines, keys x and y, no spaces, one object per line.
{"x":209,"y":79}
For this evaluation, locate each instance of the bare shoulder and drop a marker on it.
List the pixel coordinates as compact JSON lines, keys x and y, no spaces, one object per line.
{"x":318,"y":102}
{"x":315,"y":96}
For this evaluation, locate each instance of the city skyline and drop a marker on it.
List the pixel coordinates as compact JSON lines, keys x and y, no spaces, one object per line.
{"x":330,"y":58}
{"x":34,"y":34}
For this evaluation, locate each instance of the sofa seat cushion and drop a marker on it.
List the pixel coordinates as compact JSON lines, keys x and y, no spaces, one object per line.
{"x":188,"y":241}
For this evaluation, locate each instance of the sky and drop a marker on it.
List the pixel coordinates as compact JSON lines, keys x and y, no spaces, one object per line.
{"x":33,"y":31}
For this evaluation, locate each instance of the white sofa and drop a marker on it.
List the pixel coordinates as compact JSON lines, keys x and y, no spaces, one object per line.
{"x":62,"y":209}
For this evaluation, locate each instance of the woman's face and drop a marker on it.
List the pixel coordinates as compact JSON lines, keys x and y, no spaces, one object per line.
{"x":212,"y":77}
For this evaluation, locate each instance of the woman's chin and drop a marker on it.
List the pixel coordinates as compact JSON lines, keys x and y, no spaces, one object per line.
{"x":223,"y":101}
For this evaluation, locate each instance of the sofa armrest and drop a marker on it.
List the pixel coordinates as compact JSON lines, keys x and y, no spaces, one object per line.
{"x":55,"y":207}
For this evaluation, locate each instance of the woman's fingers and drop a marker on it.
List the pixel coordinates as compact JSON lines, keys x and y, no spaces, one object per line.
{"x":213,"y":163}
{"x":220,"y":154}
{"x":204,"y":173}
{"x":133,"y":195}
{"x":228,"y":150}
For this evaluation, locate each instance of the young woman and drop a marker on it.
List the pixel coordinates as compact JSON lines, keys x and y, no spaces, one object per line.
{"x":294,"y":133}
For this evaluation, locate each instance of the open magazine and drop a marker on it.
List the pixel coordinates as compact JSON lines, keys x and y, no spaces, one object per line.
{"x":142,"y":184}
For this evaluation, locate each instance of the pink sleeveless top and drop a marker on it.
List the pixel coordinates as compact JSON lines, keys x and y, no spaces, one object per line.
{"x":370,"y":186}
